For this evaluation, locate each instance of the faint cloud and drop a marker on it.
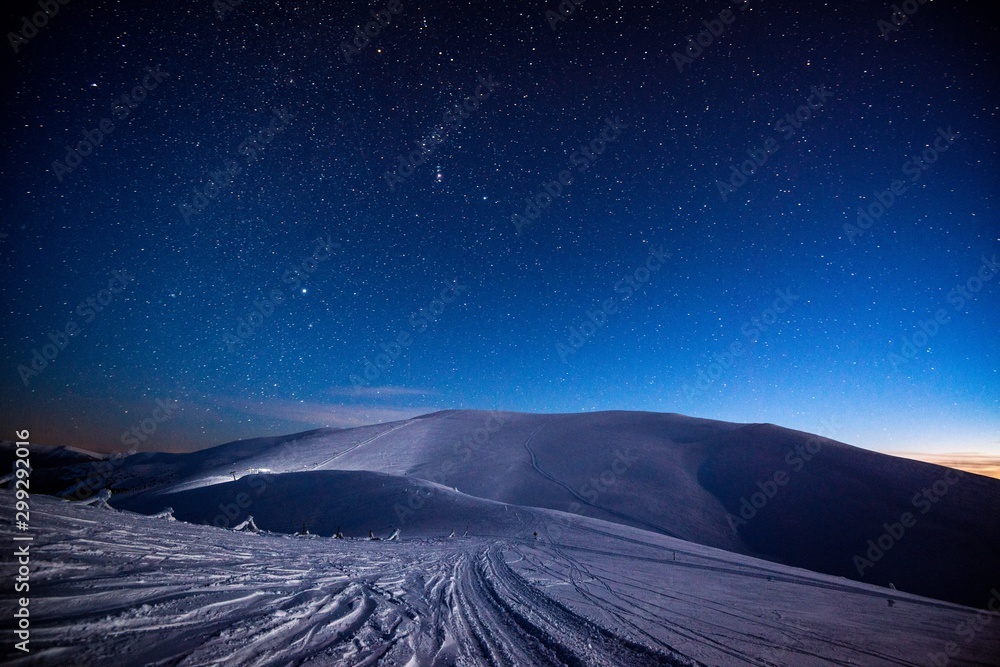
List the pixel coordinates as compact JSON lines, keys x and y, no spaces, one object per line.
{"x":315,"y":414}
{"x":362,"y":391}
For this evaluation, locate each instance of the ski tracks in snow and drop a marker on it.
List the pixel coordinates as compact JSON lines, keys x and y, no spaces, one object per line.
{"x":512,"y":622}
{"x":129,"y":590}
{"x":111,"y":588}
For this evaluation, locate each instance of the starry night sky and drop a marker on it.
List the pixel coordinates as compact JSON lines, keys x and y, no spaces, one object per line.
{"x":261,"y":144}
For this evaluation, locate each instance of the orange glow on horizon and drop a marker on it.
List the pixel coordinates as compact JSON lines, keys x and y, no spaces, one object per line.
{"x":975,"y":462}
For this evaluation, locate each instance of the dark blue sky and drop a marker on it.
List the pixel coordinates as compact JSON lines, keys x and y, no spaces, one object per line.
{"x":364,"y":196}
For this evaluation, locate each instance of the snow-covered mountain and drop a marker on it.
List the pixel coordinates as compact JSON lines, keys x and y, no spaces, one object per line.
{"x":536,"y":539}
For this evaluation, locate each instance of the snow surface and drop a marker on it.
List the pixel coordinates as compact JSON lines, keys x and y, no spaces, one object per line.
{"x":116,"y":588}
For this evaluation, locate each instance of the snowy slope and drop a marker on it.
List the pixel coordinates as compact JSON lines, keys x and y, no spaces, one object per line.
{"x":112,"y":588}
{"x":325,"y":500}
{"x":665,"y":473}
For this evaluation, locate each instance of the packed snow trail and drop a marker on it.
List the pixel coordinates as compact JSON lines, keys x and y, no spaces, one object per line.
{"x":114,"y":588}
{"x":322,"y":464}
